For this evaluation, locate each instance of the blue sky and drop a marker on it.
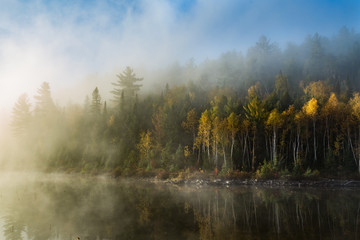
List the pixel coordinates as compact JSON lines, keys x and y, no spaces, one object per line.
{"x":64,"y":42}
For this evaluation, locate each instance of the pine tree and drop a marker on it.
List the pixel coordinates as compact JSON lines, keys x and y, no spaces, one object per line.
{"x":44,"y":103}
{"x":21,"y":115}
{"x":126,"y":87}
{"x":96,"y":102}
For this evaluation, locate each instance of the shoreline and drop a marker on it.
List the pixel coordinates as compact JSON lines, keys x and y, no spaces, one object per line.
{"x":199,"y":180}
{"x":324,"y":183}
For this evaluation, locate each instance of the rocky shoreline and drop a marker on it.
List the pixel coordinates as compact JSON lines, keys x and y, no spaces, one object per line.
{"x":327,"y":183}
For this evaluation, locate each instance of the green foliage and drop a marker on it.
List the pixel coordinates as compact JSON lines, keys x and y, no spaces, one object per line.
{"x":298,"y":168}
{"x":311,"y":174}
{"x":126,"y":87}
{"x":285,"y":174}
{"x":266,"y":171}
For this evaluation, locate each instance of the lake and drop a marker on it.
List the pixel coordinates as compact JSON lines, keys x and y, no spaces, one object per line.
{"x":67,"y":206}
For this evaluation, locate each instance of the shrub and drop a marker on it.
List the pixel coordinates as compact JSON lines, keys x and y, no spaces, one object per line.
{"x":266,"y":171}
{"x":298,"y":169}
{"x":162,"y":174}
{"x":128,"y":172}
{"x":285,"y":174}
{"x":311,"y":174}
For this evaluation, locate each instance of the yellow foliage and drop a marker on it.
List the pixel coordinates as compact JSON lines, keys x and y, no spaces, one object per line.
{"x":145,"y":143}
{"x":111,"y":121}
{"x":253,"y":91}
{"x":204,"y":129}
{"x":331,"y":105}
{"x":289,"y":111}
{"x":355,"y":105}
{"x":274,"y":119}
{"x":310,"y":108}
{"x":233,"y":124}
{"x":246,"y":124}
{"x":187,"y":151}
{"x":319,"y":90}
{"x":191,"y":121}
{"x":299,"y":117}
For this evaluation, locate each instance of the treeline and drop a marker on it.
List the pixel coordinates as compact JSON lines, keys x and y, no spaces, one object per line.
{"x":295,"y":109}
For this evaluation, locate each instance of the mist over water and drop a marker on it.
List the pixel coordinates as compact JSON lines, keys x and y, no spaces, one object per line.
{"x":54,"y":206}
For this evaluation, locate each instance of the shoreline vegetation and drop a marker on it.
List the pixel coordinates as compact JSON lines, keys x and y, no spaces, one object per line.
{"x":231,"y":178}
{"x":267,"y":114}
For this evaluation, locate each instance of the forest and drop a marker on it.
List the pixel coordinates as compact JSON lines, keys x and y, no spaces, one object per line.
{"x":275,"y":111}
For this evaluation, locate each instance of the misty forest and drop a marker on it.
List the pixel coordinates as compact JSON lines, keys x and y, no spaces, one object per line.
{"x":270,"y":111}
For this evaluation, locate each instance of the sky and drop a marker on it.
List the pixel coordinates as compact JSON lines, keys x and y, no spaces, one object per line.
{"x":68,"y":43}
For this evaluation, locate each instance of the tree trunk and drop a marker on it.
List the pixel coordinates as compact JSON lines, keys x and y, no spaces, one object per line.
{"x":315,"y":156}
{"x":194,"y":139}
{"x":351,"y":146}
{"x":232,"y":148}
{"x":253,"y":154}
{"x":208,"y":149}
{"x":198,"y":160}
{"x":245,"y":147}
{"x":298,"y":143}
{"x":274,"y":146}
{"x":324,"y":139}
{"x":328,"y":136}
{"x":359,"y":151}
{"x":216,"y":155}
{"x":225,"y":163}
{"x":294,"y":151}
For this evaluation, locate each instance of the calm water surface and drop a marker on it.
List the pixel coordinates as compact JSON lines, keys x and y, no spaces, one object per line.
{"x":64,"y":207}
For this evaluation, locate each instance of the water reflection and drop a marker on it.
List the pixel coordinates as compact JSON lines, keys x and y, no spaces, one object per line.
{"x":66,"y":207}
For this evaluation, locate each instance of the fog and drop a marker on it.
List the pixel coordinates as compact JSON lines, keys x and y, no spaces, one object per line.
{"x":77,"y":47}
{"x":65,"y":43}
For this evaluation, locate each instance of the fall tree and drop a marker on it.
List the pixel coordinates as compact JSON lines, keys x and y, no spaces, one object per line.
{"x":310,"y":109}
{"x":274,"y":121}
{"x":255,"y":113}
{"x":233,"y":125}
{"x":224,"y":139}
{"x":190,"y":124}
{"x":355,"y":107}
{"x":145,"y":145}
{"x":204,"y":132}
{"x":328,"y":113}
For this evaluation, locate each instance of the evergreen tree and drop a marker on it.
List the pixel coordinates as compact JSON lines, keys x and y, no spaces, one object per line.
{"x":44,"y":103}
{"x":21,"y":115}
{"x":96,"y":102}
{"x":126,"y":87}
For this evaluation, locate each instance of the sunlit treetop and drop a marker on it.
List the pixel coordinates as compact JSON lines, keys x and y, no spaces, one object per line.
{"x":311,"y":108}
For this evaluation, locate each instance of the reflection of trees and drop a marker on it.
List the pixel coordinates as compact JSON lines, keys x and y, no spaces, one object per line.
{"x":96,"y":209}
{"x":275,"y":214}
